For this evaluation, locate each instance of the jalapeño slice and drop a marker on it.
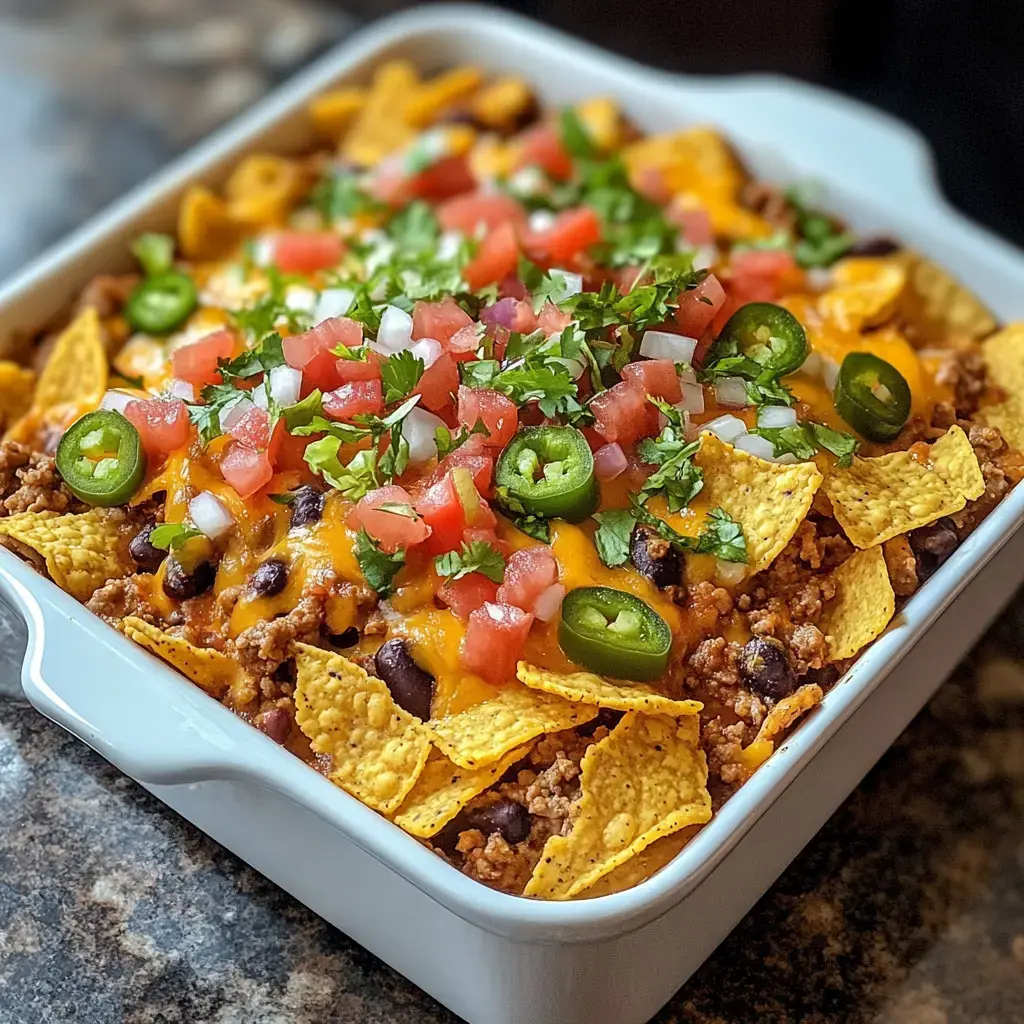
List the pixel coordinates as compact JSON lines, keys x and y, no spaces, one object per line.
{"x":101,"y":459}
{"x":872,"y":396}
{"x":765,"y":333}
{"x":161,"y":303}
{"x":614,"y":633}
{"x":549,"y":471}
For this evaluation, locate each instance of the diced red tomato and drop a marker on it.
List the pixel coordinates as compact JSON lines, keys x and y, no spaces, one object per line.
{"x":528,"y":573}
{"x":541,"y":146}
{"x":623,"y":414}
{"x":442,"y":511}
{"x":694,"y":222}
{"x":551,"y":320}
{"x":438,"y":320}
{"x":252,"y":428}
{"x":464,"y":596}
{"x":650,"y":183}
{"x":698,"y":306}
{"x":467,"y":213}
{"x":290,"y":451}
{"x":447,"y":177}
{"x":197,"y":361}
{"x":245,"y":469}
{"x":162,"y":423}
{"x":497,"y":257}
{"x":474,"y":456}
{"x":438,"y":384}
{"x":351,"y":370}
{"x":772,"y":263}
{"x":494,"y":640}
{"x":572,"y":232}
{"x":487,"y":535}
{"x":360,"y":398}
{"x":762,"y":275}
{"x":656,"y":377}
{"x":464,"y":344}
{"x":311,"y":353}
{"x":305,"y":252}
{"x":498,"y":414}
{"x":511,"y":287}
{"x":390,"y":529}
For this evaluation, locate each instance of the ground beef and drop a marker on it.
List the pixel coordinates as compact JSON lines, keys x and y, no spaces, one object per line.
{"x":107,"y":294}
{"x":713,"y":669}
{"x":29,"y":482}
{"x":120,"y":598}
{"x":808,"y":648}
{"x":723,"y":744}
{"x":964,"y":371}
{"x":492,"y":860}
{"x":770,"y":203}
{"x":901,"y":562}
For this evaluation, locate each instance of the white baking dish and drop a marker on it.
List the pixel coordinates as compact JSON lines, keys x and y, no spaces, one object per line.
{"x":492,"y":958}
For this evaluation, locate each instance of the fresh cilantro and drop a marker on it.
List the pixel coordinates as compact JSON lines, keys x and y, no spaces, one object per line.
{"x":378,"y":569}
{"x":398,"y":508}
{"x":546,"y":382}
{"x":550,"y":287}
{"x":338,"y":196}
{"x":364,"y":310}
{"x":400,"y":373}
{"x":822,"y":241}
{"x":414,"y":227}
{"x":154,"y":252}
{"x":303,"y":412}
{"x":475,"y":556}
{"x":722,"y":536}
{"x":843,"y":446}
{"x":447,"y":442}
{"x":171,"y":536}
{"x":261,"y":359}
{"x":677,"y":477}
{"x":575,"y":137}
{"x":615,"y":528}
{"x":259,"y":320}
{"x":217,"y":400}
{"x":804,"y":439}
{"x":354,"y":480}
{"x":286,"y":498}
{"x":346,"y":433}
{"x":535,"y":527}
{"x":395,"y":458}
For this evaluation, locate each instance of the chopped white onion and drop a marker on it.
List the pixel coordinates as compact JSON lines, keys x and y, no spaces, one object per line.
{"x":448,"y":245}
{"x":786,"y":459}
{"x":263,"y":251}
{"x":728,"y":428}
{"x":418,"y":429}
{"x":819,"y":278}
{"x":333,"y":302}
{"x":395,"y":333}
{"x":728,"y":574}
{"x":259,"y":396}
{"x":704,"y":256}
{"x":693,"y":398}
{"x":573,"y":282}
{"x":285,"y":384}
{"x":829,"y":372}
{"x":117,"y":401}
{"x":428,"y":350}
{"x":687,"y":375}
{"x":210,"y":515}
{"x":757,"y":445}
{"x":811,"y":365}
{"x":234,"y":414}
{"x":773,"y":416}
{"x":731,"y":392}
{"x":541,"y":220}
{"x":547,"y":605}
{"x":300,"y":298}
{"x":662,"y":345}
{"x":527,"y":181}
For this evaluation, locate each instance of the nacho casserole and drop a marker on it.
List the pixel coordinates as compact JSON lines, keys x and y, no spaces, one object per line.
{"x":526,"y":476}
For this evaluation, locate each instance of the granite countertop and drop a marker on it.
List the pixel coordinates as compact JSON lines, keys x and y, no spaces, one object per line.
{"x":908,"y":907}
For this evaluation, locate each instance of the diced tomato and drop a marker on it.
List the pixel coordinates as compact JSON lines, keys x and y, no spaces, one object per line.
{"x":464,"y":344}
{"x":351,"y":370}
{"x":623,"y":414}
{"x":498,"y":414}
{"x":290,"y":451}
{"x":277,"y":436}
{"x":528,"y":573}
{"x":474,"y":456}
{"x":487,"y":535}
{"x":774,"y":263}
{"x":649,"y":181}
{"x":694,"y":222}
{"x":656,"y":377}
{"x":467,"y":213}
{"x":439,"y":320}
{"x":252,"y":428}
{"x":541,"y":146}
{"x":572,"y":232}
{"x":162,"y":423}
{"x":497,"y":257}
{"x":390,"y":529}
{"x":494,"y":640}
{"x":311,"y":353}
{"x":551,"y":320}
{"x":511,"y":287}
{"x":360,"y":398}
{"x":447,"y":177}
{"x":197,"y":361}
{"x":762,"y":275}
{"x":698,"y":306}
{"x":245,"y":469}
{"x":464,"y":596}
{"x":304,"y":252}
{"x":442,"y":511}
{"x":438,"y":384}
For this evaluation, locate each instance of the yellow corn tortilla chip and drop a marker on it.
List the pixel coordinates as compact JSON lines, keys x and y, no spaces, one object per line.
{"x":777,"y":721}
{"x":377,"y":749}
{"x":444,"y":789}
{"x":767,"y":499}
{"x":261,"y":189}
{"x":380,"y":128}
{"x":76,"y":371}
{"x":875,"y":499}
{"x":439,"y":94}
{"x":81,"y":552}
{"x":936,"y":304}
{"x":864,"y":292}
{"x":16,"y":386}
{"x":503,"y":103}
{"x":863,"y":606}
{"x":646,"y":779}
{"x":332,"y":112}
{"x":486,"y":732}
{"x":1004,"y":358}
{"x":206,"y":229}
{"x":645,"y":864}
{"x":586,"y":688}
{"x":211,"y":670}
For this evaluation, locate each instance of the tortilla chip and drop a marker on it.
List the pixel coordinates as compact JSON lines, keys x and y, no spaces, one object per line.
{"x":211,"y":670}
{"x":645,"y":780}
{"x":379,"y":128}
{"x":16,"y":386}
{"x":81,"y":552}
{"x":332,"y":112}
{"x":433,"y":98}
{"x":645,"y":864}
{"x":1004,"y":357}
{"x":863,"y":606}
{"x":444,"y":789}
{"x":778,"y":720}
{"x":486,"y":732}
{"x":936,"y":304}
{"x":586,"y":688}
{"x":503,"y":104}
{"x":864,"y":292}
{"x":377,"y":749}
{"x":875,"y":499}
{"x":206,"y":229}
{"x":76,"y":371}
{"x":262,"y":188}
{"x":767,"y":499}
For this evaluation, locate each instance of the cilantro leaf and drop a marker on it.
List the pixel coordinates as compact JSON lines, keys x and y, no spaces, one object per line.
{"x":843,"y":446}
{"x":677,"y":477}
{"x":377,"y":568}
{"x":476,"y":556}
{"x":447,"y":442}
{"x":261,"y":359}
{"x":354,"y":480}
{"x":615,"y":528}
{"x":154,"y":252}
{"x":400,"y":374}
{"x":259,"y":320}
{"x":534,"y":526}
{"x":802,"y":440}
{"x":414,"y":227}
{"x":722,"y":537}
{"x":171,"y":536}
{"x":303,"y":412}
{"x":822,"y":240}
{"x":575,"y":136}
{"x":338,"y":195}
{"x":218,"y":399}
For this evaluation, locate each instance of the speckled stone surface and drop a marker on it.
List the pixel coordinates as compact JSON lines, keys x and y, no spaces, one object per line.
{"x":907,"y":908}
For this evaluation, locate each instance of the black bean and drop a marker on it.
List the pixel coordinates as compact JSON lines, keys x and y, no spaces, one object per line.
{"x":410,"y":686}
{"x":145,"y":556}
{"x":876,"y":245}
{"x":270,"y":578}
{"x":664,"y":568}
{"x":308,"y":506}
{"x":765,"y":669}
{"x":933,"y":544}
{"x":512,"y":820}
{"x":276,"y":723}
{"x":181,"y":585}
{"x":347,"y":638}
